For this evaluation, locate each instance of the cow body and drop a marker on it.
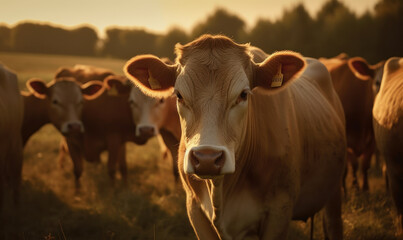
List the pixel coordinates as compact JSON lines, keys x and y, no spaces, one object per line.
{"x":154,"y":117}
{"x":107,"y":121}
{"x":388,"y":128}
{"x":11,"y":117}
{"x":353,"y":80}
{"x":258,"y":149}
{"x":60,"y":102}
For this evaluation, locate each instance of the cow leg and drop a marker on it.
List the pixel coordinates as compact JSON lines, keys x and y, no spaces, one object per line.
{"x":352,"y":159}
{"x":122,"y":162}
{"x":75,"y":149}
{"x":366,"y":163}
{"x":114,"y":144}
{"x":63,"y":151}
{"x":332,"y":222}
{"x":278,"y":218}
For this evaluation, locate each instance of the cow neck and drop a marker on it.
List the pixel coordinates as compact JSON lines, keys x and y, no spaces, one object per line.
{"x":260,"y":148}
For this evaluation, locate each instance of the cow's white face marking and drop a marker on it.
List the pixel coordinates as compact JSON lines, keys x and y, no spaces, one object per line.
{"x":146,"y":111}
{"x":212,"y":105}
{"x":66,"y":103}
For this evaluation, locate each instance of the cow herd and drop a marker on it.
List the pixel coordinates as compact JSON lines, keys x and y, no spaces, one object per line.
{"x":257,"y":140}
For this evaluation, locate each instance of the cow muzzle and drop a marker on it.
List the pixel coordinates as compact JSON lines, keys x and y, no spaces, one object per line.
{"x":206,"y":161}
{"x":72,"y":128}
{"x":145,"y":131}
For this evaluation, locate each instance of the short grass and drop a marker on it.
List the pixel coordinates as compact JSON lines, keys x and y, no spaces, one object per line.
{"x":152,"y":206}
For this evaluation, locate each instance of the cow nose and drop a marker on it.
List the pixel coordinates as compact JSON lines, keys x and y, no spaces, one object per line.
{"x":147,"y":131}
{"x":74,"y":127}
{"x":207,"y":161}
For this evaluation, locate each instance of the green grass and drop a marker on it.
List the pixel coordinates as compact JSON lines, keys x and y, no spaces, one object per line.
{"x":152,"y":206}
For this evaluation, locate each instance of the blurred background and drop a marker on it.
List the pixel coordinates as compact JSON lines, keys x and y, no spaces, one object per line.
{"x":372,"y":29}
{"x":38,"y":37}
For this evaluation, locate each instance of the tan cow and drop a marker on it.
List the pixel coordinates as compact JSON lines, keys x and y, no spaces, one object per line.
{"x":11,"y":114}
{"x":261,"y":144}
{"x":353,"y":80}
{"x":388,"y":127}
{"x":154,"y":117}
{"x":59,"y":102}
{"x":107,"y":120}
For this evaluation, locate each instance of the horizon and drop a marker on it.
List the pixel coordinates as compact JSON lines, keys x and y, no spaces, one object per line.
{"x":159,"y":16}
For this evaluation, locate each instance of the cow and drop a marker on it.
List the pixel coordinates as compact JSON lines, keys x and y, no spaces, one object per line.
{"x":388,"y":127}
{"x":353,"y":80}
{"x":261,"y":143}
{"x":154,"y":117}
{"x":11,"y":115}
{"x":59,"y":102}
{"x":107,"y":121}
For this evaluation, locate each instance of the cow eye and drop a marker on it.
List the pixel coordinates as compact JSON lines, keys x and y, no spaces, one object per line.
{"x":243,"y":96}
{"x":161,"y":101}
{"x":55,"y":102}
{"x":179,"y":97}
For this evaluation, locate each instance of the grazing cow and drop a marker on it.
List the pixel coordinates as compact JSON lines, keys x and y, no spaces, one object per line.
{"x":154,"y":117}
{"x":11,"y":114}
{"x":388,"y":128}
{"x":59,"y":102}
{"x":353,"y":80}
{"x":261,"y":143}
{"x":107,"y":121}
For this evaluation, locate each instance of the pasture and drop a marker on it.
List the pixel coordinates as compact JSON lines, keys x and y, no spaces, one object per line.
{"x":152,"y":206}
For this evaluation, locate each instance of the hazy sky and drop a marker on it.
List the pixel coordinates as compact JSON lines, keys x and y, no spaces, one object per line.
{"x":155,"y":15}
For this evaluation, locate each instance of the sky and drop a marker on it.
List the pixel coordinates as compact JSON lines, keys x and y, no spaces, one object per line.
{"x":155,"y":15}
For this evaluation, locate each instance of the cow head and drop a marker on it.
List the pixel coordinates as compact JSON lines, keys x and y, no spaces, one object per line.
{"x":213,"y":80}
{"x":148,"y":112}
{"x":64,"y":97}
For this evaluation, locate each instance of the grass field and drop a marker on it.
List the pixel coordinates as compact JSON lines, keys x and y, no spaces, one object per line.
{"x":152,"y":206}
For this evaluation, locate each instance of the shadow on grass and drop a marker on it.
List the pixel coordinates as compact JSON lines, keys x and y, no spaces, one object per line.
{"x":44,"y":215}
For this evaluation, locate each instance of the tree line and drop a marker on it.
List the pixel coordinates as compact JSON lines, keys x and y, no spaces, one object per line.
{"x":375,"y":35}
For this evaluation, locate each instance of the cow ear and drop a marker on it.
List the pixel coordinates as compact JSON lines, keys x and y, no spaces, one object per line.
{"x":37,"y":87}
{"x":92,"y":89}
{"x":278,"y":70}
{"x":115,"y":86}
{"x":151,"y":75}
{"x":361,"y":69}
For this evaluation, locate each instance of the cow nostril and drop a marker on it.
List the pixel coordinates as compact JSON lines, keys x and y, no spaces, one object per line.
{"x":195,"y":161}
{"x":219,"y":162}
{"x":147,"y":130}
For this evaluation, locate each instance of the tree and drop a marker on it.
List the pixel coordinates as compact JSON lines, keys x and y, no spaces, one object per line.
{"x":5,"y":38}
{"x":220,"y":22}
{"x":166,"y":43}
{"x":336,"y":26}
{"x":389,"y":19}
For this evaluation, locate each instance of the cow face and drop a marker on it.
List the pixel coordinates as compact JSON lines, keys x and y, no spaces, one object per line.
{"x":148,"y":113}
{"x":64,"y":99}
{"x":212,"y":80}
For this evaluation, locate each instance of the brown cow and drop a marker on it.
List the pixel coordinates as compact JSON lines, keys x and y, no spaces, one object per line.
{"x":154,"y":117}
{"x":11,"y":114}
{"x":107,"y":121}
{"x":388,"y":127}
{"x":353,"y":80}
{"x":261,"y":143}
{"x":59,"y":102}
